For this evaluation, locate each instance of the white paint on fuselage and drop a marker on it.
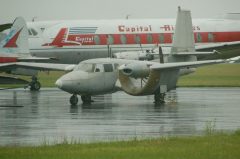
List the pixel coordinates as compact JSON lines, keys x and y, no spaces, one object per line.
{"x":48,"y":30}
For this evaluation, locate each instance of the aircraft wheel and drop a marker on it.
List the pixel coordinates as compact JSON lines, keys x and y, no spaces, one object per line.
{"x":73,"y":99}
{"x":86,"y":98}
{"x":35,"y":86}
{"x":159,"y":98}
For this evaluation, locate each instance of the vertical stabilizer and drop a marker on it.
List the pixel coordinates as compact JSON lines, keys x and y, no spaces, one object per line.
{"x":183,"y":38}
{"x":17,"y":39}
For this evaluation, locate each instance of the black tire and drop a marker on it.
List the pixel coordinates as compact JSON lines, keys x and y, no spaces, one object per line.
{"x":35,"y":86}
{"x":73,"y":100}
{"x":86,"y":99}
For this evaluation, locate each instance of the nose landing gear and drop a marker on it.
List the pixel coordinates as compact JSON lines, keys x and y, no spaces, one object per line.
{"x":86,"y":99}
{"x":73,"y":99}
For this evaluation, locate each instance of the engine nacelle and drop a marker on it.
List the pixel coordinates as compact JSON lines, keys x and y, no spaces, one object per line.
{"x":135,"y":70}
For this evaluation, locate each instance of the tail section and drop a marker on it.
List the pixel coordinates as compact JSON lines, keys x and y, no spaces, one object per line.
{"x":17,"y":39}
{"x":183,"y":39}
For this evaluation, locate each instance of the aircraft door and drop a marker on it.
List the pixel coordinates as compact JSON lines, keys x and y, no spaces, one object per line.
{"x":103,"y":78}
{"x":97,"y":79}
{"x":110,"y":76}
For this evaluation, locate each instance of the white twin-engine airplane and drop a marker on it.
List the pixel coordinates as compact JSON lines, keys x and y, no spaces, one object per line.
{"x":74,"y":41}
{"x":98,"y":76}
{"x":138,"y":78}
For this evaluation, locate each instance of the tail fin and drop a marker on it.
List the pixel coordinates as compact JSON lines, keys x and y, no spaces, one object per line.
{"x":183,"y":38}
{"x":17,"y":39}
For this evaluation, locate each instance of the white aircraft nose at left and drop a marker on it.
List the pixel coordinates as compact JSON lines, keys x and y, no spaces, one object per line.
{"x":59,"y":83}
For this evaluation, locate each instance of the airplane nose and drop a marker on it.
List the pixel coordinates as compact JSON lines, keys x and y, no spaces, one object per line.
{"x":59,"y":83}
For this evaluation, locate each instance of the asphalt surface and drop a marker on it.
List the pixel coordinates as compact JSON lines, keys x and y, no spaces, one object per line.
{"x":35,"y":118}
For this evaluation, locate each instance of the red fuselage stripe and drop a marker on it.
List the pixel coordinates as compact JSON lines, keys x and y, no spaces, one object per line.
{"x":8,"y":59}
{"x":143,"y":38}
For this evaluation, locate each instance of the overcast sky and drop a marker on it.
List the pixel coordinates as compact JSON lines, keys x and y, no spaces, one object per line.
{"x":110,"y":9}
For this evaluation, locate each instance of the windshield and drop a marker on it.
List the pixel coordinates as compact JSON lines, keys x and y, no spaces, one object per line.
{"x":85,"y":67}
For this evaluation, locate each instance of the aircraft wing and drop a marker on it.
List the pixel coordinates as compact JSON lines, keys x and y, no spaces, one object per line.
{"x":217,"y":45}
{"x":37,"y":66}
{"x":159,"y":66}
{"x":35,"y":59}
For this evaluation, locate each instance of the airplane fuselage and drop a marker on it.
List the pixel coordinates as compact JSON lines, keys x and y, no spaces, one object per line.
{"x":74,"y":41}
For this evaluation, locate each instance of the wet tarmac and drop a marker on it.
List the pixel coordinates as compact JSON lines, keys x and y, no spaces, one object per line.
{"x":35,"y":118}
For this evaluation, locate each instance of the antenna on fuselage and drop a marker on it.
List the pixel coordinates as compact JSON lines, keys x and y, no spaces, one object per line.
{"x":161,"y":58}
{"x":109,"y":51}
{"x":34,"y":18}
{"x":127,"y":16}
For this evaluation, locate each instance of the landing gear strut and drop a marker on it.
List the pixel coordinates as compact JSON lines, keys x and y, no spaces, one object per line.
{"x":35,"y":85}
{"x":73,"y":99}
{"x":159,"y":98}
{"x":86,"y":99}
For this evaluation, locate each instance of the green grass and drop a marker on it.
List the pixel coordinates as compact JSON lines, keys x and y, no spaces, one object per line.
{"x":47,"y":79}
{"x":221,"y":75}
{"x":218,"y":146}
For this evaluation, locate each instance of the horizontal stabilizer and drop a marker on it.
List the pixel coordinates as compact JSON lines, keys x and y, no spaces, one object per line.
{"x":38,"y":66}
{"x":36,"y":59}
{"x":12,"y":80}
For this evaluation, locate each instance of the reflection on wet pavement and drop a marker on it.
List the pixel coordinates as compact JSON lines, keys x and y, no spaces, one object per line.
{"x":36,"y":117}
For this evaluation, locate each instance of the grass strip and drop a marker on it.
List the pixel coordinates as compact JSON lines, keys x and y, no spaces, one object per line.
{"x":221,"y":75}
{"x":225,"y":146}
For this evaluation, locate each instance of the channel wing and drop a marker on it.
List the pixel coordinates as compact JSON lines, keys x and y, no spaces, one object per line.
{"x":217,"y":46}
{"x":179,"y":65}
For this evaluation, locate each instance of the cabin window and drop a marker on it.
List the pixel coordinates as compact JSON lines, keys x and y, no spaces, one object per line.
{"x":210,"y":37}
{"x":42,"y":29}
{"x":137,"y":39}
{"x":110,"y":39}
{"x":149,"y":39}
{"x":108,"y":67}
{"x":96,"y":39}
{"x":199,"y":37}
{"x":161,"y":38}
{"x":172,"y":35}
{"x":85,"y":67}
{"x":98,"y":68}
{"x":123,"y":39}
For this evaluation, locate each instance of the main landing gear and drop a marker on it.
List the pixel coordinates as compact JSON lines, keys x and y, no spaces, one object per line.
{"x":86,"y":99}
{"x":35,"y":85}
{"x":159,"y":98}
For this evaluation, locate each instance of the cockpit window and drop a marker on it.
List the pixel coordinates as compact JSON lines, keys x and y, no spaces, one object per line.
{"x":88,"y":67}
{"x":32,"y":32}
{"x":29,"y":32}
{"x":85,"y":67}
